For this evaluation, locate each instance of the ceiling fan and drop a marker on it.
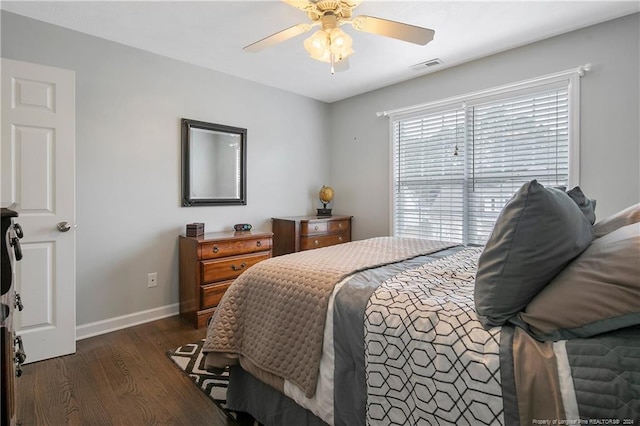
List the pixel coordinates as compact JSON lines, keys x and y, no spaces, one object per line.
{"x":331,"y":44}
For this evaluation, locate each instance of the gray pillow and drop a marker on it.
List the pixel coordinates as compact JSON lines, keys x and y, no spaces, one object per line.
{"x":598,"y":291}
{"x":587,"y":205}
{"x":537,"y":233}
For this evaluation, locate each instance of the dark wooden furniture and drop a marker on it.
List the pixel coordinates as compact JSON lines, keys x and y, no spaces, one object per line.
{"x":210,"y":263}
{"x":7,"y":367}
{"x":297,"y":233}
{"x":11,"y":351}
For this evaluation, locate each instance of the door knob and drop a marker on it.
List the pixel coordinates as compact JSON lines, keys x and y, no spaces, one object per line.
{"x":64,"y":226}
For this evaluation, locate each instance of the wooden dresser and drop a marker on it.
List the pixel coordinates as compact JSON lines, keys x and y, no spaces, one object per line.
{"x":297,"y":233}
{"x":210,"y":263}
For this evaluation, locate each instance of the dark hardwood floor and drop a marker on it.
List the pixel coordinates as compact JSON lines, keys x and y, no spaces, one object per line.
{"x":120,"y":378}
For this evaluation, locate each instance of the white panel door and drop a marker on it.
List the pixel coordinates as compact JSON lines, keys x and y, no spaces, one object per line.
{"x":37,"y":164}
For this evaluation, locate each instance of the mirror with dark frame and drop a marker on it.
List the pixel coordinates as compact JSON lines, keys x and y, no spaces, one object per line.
{"x":214,"y":164}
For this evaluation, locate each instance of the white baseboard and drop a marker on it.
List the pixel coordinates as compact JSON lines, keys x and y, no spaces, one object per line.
{"x":118,"y":323}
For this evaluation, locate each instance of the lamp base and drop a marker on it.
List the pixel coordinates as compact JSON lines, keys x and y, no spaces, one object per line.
{"x":324,"y":212}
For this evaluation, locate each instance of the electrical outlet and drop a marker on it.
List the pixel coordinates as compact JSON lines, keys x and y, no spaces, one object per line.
{"x":152,"y":279}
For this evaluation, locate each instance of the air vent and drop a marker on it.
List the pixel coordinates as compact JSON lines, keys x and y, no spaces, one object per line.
{"x":428,"y":64}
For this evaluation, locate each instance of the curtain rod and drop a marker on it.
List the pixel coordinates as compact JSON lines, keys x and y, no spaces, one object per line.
{"x":579,"y":70}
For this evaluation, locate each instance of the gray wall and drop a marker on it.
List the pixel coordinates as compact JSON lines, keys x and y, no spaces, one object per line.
{"x":610,"y":136}
{"x":128,"y":109}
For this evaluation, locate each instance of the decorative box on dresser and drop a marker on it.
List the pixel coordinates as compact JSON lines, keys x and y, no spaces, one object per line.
{"x":297,"y":233}
{"x":210,"y":263}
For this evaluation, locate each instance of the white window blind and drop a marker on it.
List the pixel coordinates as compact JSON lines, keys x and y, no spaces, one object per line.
{"x":456,"y":167}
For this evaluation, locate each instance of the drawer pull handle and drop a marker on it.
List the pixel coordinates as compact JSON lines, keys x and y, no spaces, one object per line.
{"x":18,"y":302}
{"x":20,"y":356}
{"x":215,"y":249}
{"x":316,"y":242}
{"x":340,"y":225}
{"x":240,"y":268}
{"x":340,"y":239}
{"x":259,"y":243}
{"x":316,"y":227}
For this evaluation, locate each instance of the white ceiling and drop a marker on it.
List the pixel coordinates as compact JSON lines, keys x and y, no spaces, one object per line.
{"x":212,"y":33}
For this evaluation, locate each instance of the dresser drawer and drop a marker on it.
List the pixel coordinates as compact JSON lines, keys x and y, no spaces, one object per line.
{"x":311,"y":228}
{"x":217,"y":249}
{"x":212,"y":294}
{"x":308,"y":243}
{"x":229,"y":267}
{"x":339,"y":226}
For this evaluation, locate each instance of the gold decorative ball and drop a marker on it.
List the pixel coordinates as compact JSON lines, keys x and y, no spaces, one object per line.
{"x":326,"y":194}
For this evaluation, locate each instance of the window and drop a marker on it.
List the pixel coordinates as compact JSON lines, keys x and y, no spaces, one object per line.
{"x":457,"y":162}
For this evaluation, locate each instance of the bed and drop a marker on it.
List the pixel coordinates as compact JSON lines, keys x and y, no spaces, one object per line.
{"x":540,"y":326}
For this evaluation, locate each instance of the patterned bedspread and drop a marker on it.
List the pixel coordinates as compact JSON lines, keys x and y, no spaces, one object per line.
{"x":428,"y":359}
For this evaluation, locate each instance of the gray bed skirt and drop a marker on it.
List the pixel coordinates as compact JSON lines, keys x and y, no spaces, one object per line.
{"x":268,"y":406}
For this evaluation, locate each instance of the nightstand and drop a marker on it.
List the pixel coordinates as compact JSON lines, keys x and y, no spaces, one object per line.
{"x":210,"y":263}
{"x":297,"y":233}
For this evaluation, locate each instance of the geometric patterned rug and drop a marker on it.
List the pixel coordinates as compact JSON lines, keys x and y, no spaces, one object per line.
{"x":190,"y":360}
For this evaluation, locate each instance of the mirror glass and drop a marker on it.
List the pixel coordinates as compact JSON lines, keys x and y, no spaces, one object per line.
{"x":214,"y":164}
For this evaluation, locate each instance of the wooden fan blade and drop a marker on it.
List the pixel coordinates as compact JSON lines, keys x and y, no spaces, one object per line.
{"x":393,"y":29}
{"x":278,"y":37}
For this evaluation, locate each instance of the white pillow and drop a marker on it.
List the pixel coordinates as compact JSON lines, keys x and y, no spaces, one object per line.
{"x":622,"y":218}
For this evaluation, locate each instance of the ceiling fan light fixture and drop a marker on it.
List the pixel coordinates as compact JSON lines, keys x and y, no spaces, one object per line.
{"x":331,"y":44}
{"x":316,"y":45}
{"x":341,"y":42}
{"x":324,"y":44}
